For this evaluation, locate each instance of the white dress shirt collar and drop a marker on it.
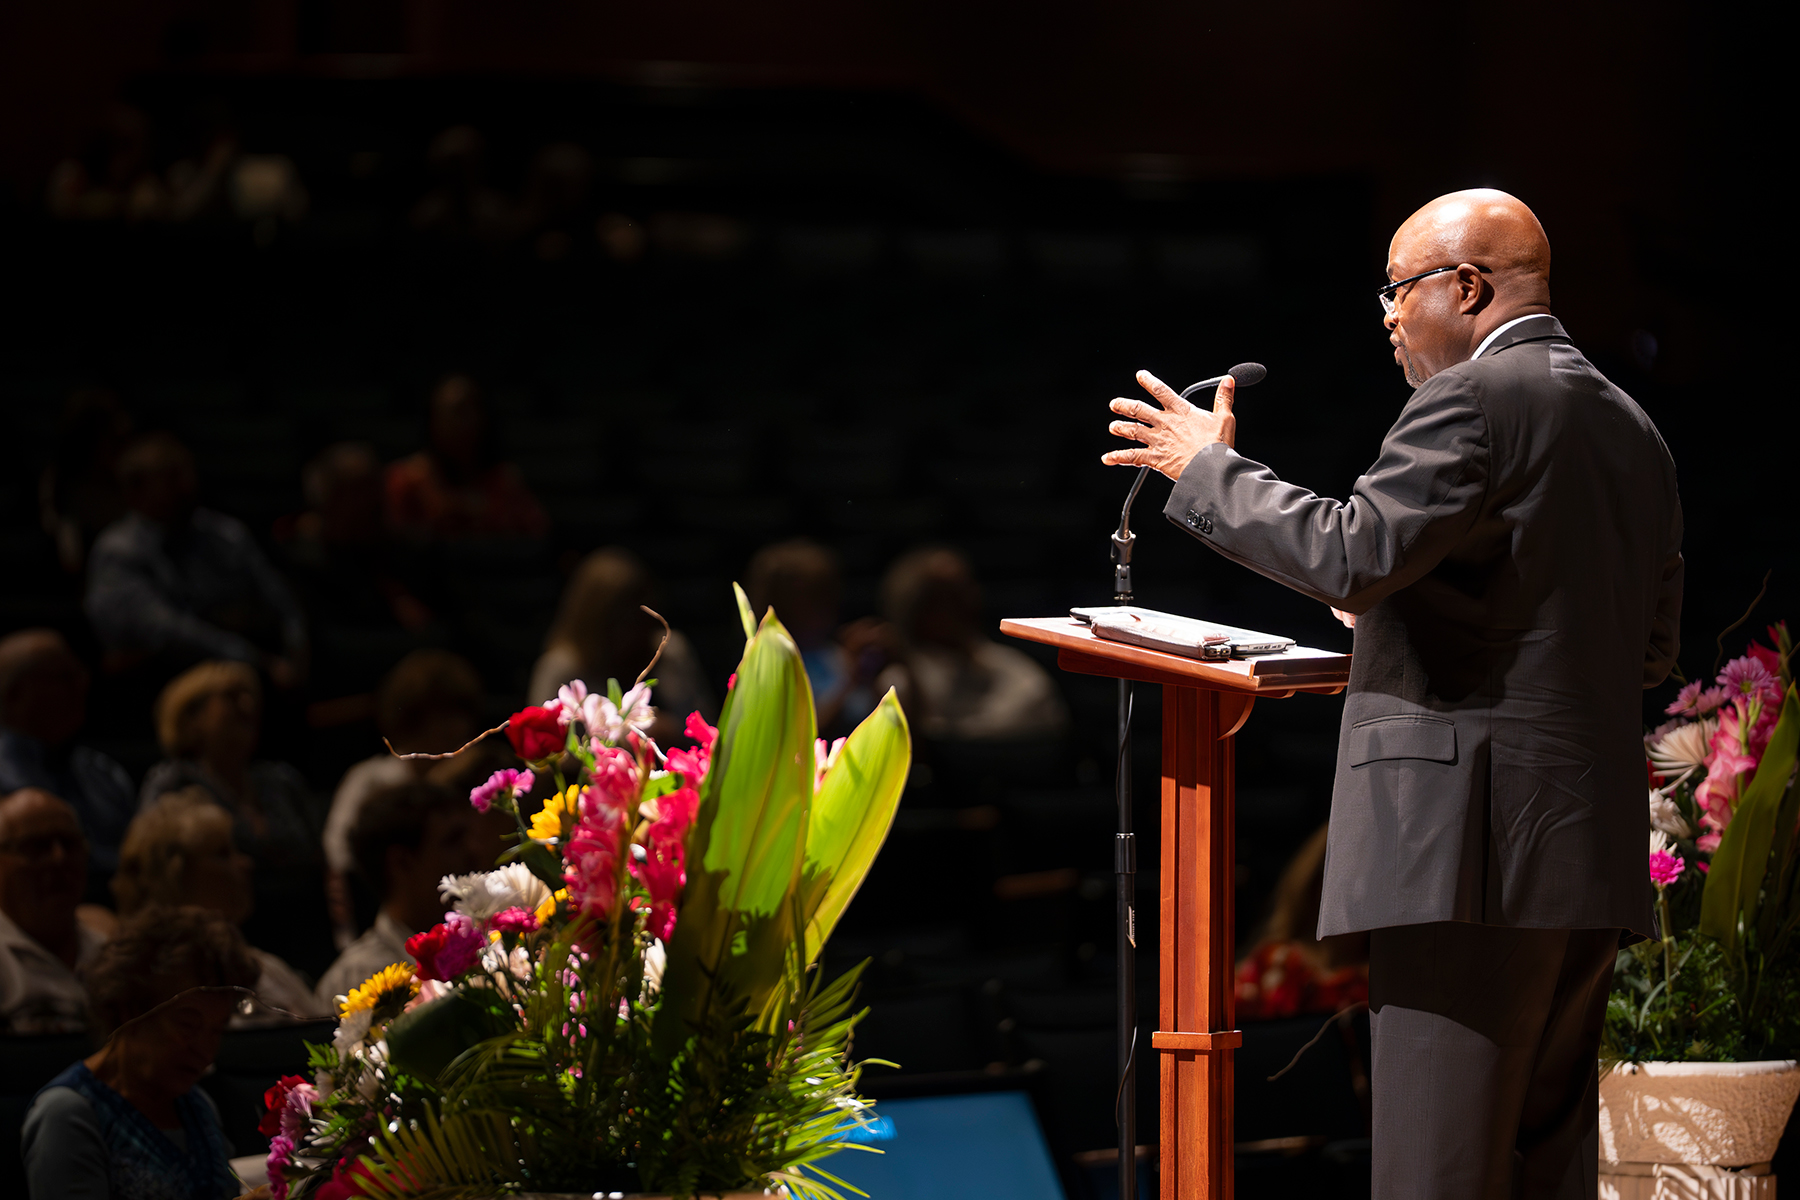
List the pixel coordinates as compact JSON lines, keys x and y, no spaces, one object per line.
{"x":1489,"y":339}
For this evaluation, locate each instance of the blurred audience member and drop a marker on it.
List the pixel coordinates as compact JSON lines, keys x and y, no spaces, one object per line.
{"x":176,"y":580}
{"x":961,"y":685}
{"x":457,"y":487}
{"x":1289,"y":971}
{"x":209,"y":720}
{"x":78,"y":491}
{"x":43,"y":947}
{"x":556,"y":199}
{"x":405,"y":840}
{"x":349,"y":574}
{"x":460,"y":203}
{"x":113,"y":177}
{"x":430,"y":703}
{"x":800,"y":580}
{"x":601,"y":632}
{"x":128,"y":1122}
{"x":180,"y":850}
{"x":43,"y":703}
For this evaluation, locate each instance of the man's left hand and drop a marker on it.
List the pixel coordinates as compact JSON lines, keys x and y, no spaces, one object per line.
{"x":1173,"y":434}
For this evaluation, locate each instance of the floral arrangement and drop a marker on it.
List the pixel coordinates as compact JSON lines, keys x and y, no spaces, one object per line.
{"x":630,"y":999}
{"x":1722,"y":983}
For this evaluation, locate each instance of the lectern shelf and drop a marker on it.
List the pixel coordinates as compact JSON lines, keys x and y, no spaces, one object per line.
{"x":1204,"y":704}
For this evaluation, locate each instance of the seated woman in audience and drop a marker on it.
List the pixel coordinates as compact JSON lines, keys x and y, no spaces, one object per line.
{"x":457,"y":487}
{"x":128,"y":1122}
{"x":601,"y":632}
{"x":800,"y":580}
{"x":209,"y":720}
{"x":180,"y":851}
{"x":430,"y":703}
{"x":957,"y":683}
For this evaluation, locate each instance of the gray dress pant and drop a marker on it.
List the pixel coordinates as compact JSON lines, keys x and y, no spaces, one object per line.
{"x":1485,"y":1079}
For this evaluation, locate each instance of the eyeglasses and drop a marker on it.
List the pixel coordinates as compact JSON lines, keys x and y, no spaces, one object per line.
{"x":42,"y":845}
{"x":1387,"y":293}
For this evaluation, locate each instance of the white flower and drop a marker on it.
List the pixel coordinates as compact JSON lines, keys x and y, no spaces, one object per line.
{"x":608,"y":721}
{"x":655,"y":959}
{"x":1683,"y":748}
{"x":1665,"y":816}
{"x":485,"y":894}
{"x":1659,"y":841}
{"x":351,"y":1031}
{"x":568,"y":703}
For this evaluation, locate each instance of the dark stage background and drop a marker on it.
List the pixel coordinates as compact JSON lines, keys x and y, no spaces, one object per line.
{"x":868,"y":273}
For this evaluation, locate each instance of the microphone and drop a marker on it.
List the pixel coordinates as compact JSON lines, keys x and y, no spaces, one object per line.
{"x":1247,"y":374}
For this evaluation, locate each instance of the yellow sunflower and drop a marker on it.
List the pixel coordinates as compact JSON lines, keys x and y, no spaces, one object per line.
{"x":548,"y":907}
{"x":547,"y":823}
{"x":391,"y":987}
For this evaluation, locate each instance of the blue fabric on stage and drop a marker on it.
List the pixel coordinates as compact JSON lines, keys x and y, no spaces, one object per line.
{"x":980,"y":1147}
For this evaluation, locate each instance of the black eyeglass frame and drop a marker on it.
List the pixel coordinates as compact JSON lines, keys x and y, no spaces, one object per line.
{"x":1387,"y":293}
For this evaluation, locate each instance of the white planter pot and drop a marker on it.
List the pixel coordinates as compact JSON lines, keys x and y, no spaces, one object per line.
{"x":1713,"y":1114}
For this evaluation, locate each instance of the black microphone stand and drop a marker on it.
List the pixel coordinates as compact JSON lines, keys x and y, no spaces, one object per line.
{"x":1125,"y":841}
{"x":1125,"y":878}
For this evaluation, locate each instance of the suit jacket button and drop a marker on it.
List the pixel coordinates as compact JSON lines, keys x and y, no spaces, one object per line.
{"x":1205,"y":524}
{"x":1193,"y":519}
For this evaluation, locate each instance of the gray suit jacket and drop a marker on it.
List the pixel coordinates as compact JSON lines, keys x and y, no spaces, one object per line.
{"x":1513,"y":558}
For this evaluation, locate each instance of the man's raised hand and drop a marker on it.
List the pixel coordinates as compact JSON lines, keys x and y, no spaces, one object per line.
{"x":1174,"y":433}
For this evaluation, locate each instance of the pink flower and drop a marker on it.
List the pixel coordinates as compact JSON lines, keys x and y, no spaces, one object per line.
{"x":674,"y":815}
{"x":1665,"y":868}
{"x":1707,"y":843}
{"x":281,"y":1155}
{"x":516,"y":920}
{"x":823,"y":757}
{"x":1750,"y":678}
{"x":700,"y":731}
{"x":1696,"y":699}
{"x":691,"y":765}
{"x":505,"y":781}
{"x":663,"y":872}
{"x":613,"y":786}
{"x":446,"y":951}
{"x":568,"y":703}
{"x":610,"y":722}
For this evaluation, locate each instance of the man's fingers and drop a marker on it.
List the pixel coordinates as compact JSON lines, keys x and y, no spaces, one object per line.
{"x":1165,"y":395}
{"x":1130,"y":430}
{"x":1126,"y":458}
{"x":1225,"y":396}
{"x":1137,"y":410}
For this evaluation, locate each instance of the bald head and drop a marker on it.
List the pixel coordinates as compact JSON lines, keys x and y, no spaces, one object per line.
{"x":1479,"y":226}
{"x":43,"y":686}
{"x":1485,"y":260}
{"x":43,"y":865}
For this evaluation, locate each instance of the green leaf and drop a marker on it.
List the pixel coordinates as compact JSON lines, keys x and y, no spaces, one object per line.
{"x":1735,"y":878}
{"x":851,"y":816}
{"x":543,"y":863}
{"x":746,"y":614}
{"x":430,"y":1037}
{"x":737,"y":923}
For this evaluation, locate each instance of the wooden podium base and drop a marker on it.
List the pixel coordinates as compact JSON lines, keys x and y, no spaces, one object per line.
{"x":1204,"y":705}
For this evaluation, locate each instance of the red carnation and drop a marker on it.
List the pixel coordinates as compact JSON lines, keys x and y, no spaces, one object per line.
{"x":535,"y":734}
{"x":275,"y":1099}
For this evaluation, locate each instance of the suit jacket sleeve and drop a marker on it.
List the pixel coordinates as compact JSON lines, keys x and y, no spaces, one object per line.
{"x":1402,"y":518}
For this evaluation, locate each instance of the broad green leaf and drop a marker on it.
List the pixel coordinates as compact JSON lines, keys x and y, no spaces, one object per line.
{"x":851,"y":816}
{"x":427,"y":1039}
{"x":1735,"y":877}
{"x":736,"y":927}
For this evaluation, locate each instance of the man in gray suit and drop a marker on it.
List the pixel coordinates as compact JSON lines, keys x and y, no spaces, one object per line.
{"x":1511,"y":566}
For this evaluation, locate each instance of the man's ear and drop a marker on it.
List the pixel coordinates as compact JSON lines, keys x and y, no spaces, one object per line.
{"x":1473,"y":290}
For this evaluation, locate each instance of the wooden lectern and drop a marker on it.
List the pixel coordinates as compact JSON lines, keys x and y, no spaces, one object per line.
{"x":1204,"y":705}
